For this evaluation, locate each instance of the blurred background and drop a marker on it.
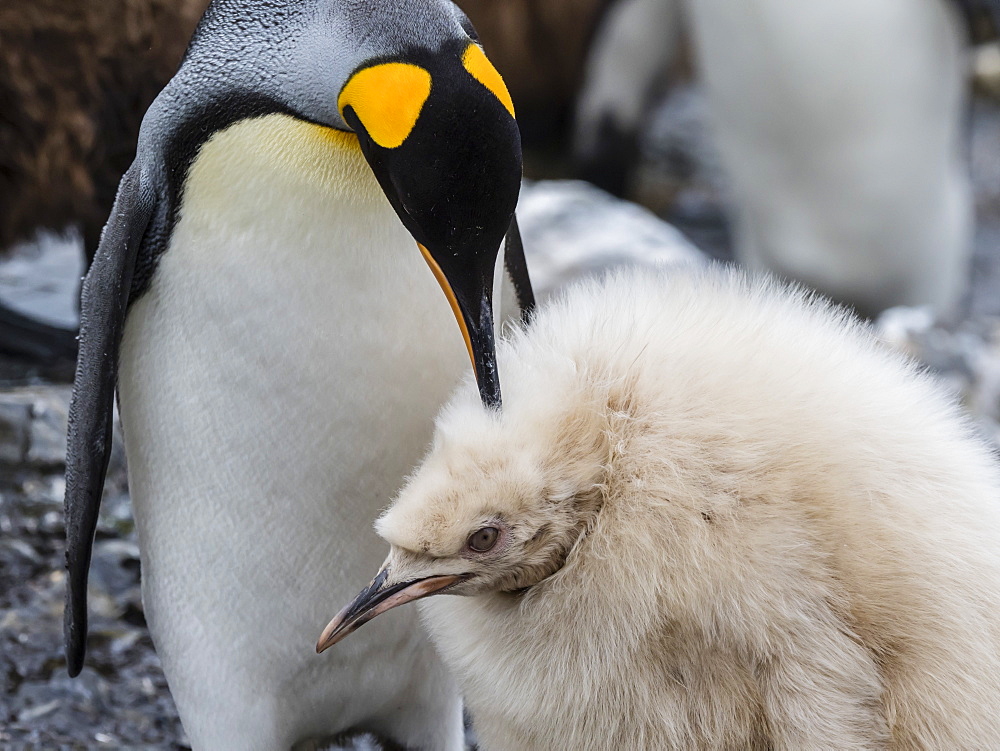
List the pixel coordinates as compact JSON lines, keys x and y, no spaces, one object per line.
{"x":850,"y":145}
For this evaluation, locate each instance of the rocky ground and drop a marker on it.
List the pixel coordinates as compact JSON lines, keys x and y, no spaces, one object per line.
{"x":121,"y":699}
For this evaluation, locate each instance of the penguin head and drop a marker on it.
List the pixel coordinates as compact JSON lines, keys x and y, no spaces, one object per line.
{"x":431,"y":114}
{"x":438,"y":130}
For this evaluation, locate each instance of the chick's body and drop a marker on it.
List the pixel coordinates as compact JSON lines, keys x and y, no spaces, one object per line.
{"x":732,"y":520}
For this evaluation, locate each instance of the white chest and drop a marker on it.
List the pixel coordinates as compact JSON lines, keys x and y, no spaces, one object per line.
{"x":278,"y":380}
{"x":291,"y":318}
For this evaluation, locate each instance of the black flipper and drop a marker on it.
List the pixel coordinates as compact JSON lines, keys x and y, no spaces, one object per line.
{"x":517,"y":271}
{"x":102,"y":319}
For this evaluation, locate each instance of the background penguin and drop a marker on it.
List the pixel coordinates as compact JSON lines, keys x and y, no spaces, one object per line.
{"x":280,"y":336}
{"x":839,"y":125}
{"x":713,"y":514}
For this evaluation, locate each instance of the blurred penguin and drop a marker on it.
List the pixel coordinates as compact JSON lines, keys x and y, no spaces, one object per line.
{"x":839,"y":124}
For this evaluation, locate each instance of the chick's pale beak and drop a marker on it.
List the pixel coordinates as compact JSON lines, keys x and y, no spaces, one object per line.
{"x":377,"y":598}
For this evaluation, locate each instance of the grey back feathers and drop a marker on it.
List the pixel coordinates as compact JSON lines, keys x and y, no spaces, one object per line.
{"x":728,"y":518}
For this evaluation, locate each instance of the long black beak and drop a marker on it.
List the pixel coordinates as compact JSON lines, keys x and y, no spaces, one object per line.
{"x":377,"y":598}
{"x":478,"y":317}
{"x":471,"y":298}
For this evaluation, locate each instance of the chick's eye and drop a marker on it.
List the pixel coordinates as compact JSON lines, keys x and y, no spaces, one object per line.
{"x":484,"y":540}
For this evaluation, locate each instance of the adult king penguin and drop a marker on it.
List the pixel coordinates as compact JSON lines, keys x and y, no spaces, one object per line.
{"x":273,"y":332}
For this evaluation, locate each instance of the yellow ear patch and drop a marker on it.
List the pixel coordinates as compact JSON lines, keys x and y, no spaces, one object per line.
{"x":480,"y":68}
{"x":388,"y":99}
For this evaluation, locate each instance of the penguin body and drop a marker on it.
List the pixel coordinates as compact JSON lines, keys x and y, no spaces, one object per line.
{"x":839,"y":126}
{"x":843,"y":140}
{"x":280,"y":335}
{"x":632,"y":50}
{"x":296,"y":392}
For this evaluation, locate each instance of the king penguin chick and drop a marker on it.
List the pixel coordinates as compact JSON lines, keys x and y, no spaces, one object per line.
{"x":284,"y":348}
{"x":713,"y":514}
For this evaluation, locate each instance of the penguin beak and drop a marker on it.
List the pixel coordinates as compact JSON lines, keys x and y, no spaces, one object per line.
{"x":438,"y":131}
{"x":470,"y":293}
{"x":379,"y":597}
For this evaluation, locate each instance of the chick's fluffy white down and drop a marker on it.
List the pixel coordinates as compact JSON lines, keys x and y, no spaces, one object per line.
{"x":788,"y":537}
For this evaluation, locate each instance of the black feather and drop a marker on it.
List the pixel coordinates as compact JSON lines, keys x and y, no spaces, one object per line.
{"x":105,"y":301}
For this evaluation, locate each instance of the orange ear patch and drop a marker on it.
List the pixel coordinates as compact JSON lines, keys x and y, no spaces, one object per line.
{"x":480,"y":68}
{"x":388,"y":99}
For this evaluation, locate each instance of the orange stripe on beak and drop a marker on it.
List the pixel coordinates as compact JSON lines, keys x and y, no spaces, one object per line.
{"x":446,"y":288}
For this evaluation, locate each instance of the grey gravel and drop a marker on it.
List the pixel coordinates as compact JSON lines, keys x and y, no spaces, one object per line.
{"x":121,"y":698}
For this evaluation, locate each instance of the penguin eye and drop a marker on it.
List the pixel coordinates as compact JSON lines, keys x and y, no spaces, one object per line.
{"x":483,"y":540}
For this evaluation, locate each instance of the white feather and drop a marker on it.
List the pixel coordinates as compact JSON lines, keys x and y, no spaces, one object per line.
{"x":278,"y":380}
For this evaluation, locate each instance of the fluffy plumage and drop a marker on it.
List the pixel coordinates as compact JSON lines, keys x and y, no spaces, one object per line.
{"x":728,"y":518}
